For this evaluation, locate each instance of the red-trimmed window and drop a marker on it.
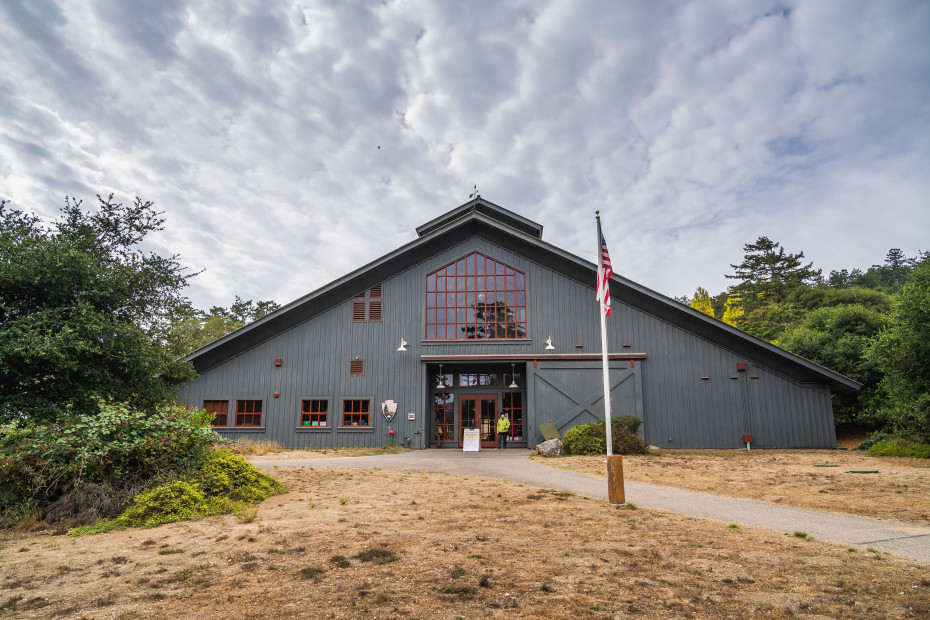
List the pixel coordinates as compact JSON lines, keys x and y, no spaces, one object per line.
{"x":314,"y":413}
{"x":367,"y":305}
{"x":248,"y":413}
{"x":219,"y":409}
{"x":444,"y":416}
{"x":512,"y":405}
{"x":475,"y":297}
{"x":355,"y":413}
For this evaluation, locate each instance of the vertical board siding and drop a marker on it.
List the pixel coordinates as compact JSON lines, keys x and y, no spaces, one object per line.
{"x":581,"y":380}
{"x":675,"y":403}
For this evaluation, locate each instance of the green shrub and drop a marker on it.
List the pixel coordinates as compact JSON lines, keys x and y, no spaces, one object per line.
{"x":584,"y":439}
{"x":225,"y":484}
{"x":626,"y":442}
{"x":166,"y":503}
{"x":629,"y":422}
{"x":874,"y":439}
{"x":899,"y":447}
{"x":591,"y":439}
{"x":229,"y":475}
{"x":90,"y":467}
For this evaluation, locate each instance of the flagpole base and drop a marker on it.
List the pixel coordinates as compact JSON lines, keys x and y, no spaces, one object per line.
{"x":615,"y":491}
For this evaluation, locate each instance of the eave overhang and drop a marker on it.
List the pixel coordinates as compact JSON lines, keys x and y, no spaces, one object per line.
{"x":489,"y":209}
{"x":446,"y":230}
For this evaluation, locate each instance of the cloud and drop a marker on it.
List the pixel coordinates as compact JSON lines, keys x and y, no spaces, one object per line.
{"x":694,"y":128}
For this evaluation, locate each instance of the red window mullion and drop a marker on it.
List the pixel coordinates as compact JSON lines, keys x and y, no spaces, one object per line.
{"x":248,"y":413}
{"x":355,"y":414}
{"x":489,"y":278}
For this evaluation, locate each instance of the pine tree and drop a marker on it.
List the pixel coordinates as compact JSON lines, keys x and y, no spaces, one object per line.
{"x":768,"y":274}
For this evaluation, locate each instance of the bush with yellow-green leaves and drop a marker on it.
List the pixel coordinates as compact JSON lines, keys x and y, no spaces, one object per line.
{"x":225,"y":483}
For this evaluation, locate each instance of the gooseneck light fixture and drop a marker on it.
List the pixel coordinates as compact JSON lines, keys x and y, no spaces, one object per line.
{"x":403,"y":346}
{"x":440,"y":386}
{"x":513,"y":377}
{"x":549,"y":346}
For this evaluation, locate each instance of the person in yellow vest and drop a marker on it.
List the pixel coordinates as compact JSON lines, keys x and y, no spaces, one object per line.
{"x":503,"y":426}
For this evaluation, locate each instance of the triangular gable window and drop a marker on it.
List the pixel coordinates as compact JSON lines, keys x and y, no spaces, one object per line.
{"x":475,"y":298}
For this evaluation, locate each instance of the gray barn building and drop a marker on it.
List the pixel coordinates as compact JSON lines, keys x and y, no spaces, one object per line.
{"x":478,"y":297}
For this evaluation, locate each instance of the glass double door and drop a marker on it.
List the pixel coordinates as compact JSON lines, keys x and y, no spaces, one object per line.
{"x":479,"y":411}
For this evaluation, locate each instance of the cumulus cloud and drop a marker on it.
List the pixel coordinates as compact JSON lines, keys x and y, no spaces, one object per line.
{"x":693,"y":127}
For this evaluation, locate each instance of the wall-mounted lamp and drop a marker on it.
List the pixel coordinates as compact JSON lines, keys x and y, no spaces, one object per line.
{"x":403,"y":346}
{"x":440,"y":386}
{"x":513,"y":377}
{"x":549,"y":346}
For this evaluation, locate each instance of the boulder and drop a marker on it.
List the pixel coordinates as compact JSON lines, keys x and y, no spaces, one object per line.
{"x":551,"y":447}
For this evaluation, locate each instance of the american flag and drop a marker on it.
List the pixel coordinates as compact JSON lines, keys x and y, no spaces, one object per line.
{"x":603,"y":279}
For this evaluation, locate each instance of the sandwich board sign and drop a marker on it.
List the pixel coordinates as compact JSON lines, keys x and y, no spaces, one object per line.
{"x":471,"y":441}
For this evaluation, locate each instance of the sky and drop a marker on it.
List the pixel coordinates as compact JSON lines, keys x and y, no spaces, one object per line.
{"x":290,"y":143}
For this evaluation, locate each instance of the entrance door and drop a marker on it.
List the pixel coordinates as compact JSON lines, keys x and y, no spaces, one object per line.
{"x":479,"y":411}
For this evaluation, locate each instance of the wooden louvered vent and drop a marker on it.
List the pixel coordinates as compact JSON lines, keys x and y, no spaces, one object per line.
{"x":357,"y":367}
{"x":367,"y":305}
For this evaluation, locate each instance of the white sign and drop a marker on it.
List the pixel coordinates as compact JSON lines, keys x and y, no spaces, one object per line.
{"x":411,"y":416}
{"x":472,"y":440}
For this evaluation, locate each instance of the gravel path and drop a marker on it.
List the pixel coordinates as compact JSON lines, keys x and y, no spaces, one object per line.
{"x":899,"y":539}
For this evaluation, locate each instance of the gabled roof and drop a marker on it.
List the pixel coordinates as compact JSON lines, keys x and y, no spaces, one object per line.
{"x":497,"y":225}
{"x":493,"y":211}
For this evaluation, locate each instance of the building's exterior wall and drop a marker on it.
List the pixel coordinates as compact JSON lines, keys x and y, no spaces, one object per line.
{"x":679,"y":409}
{"x":569,"y":393}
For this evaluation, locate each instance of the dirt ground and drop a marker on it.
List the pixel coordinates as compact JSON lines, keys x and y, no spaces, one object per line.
{"x":900,"y":491}
{"x":386,"y":544}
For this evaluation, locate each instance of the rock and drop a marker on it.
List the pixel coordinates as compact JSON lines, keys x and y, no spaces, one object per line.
{"x":653,"y":448}
{"x":551,"y":447}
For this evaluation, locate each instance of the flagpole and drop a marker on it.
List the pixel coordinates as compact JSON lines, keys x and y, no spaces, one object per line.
{"x":602,"y":311}
{"x":616,"y":494}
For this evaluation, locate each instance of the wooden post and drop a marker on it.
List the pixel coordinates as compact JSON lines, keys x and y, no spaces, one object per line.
{"x":615,"y":492}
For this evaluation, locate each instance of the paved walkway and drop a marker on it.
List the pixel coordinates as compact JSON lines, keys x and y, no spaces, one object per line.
{"x":899,"y":539}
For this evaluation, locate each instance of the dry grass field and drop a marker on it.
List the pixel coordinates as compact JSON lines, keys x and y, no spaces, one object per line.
{"x":817,"y":479}
{"x":386,"y":544}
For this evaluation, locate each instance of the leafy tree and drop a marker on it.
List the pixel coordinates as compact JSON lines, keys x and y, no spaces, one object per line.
{"x":84,"y":311}
{"x":719,"y":304}
{"x":245,"y":310}
{"x":701,"y":301}
{"x":842,"y":278}
{"x":811,"y":298}
{"x":903,"y":351}
{"x":768,"y":274}
{"x":838,"y":337}
{"x":193,"y":329}
{"x":733,"y":310}
{"x":770,"y":321}
{"x":897,"y":269}
{"x":888,"y":278}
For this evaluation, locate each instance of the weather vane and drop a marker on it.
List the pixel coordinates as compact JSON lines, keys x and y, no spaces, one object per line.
{"x":475,"y":194}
